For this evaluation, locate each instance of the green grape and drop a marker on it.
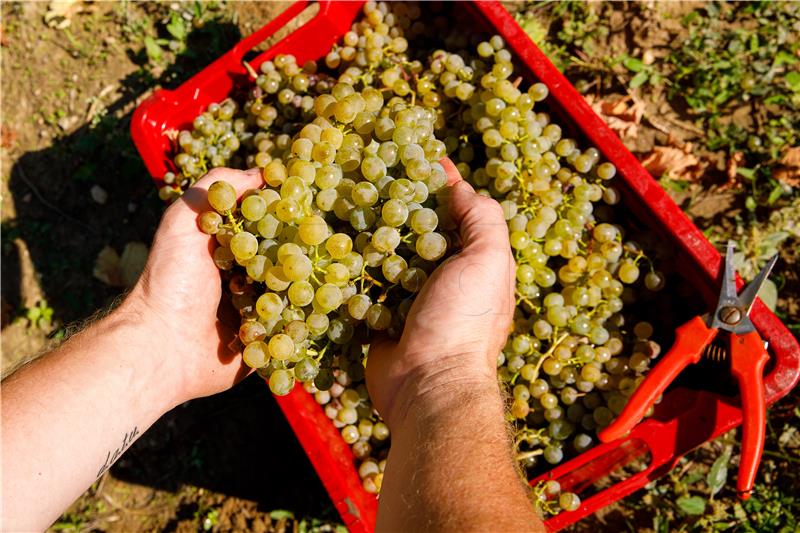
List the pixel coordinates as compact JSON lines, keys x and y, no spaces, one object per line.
{"x":256,"y":354}
{"x":222,"y":196}
{"x":339,"y":245}
{"x":379,"y":317}
{"x":358,"y":305}
{"x":328,"y":296}
{"x":281,"y":382}
{"x":431,"y":246}
{"x":628,"y":272}
{"x":269,"y":305}
{"x":393,"y":268}
{"x":569,"y":501}
{"x":296,"y":267}
{"x":254,"y":207}
{"x":313,"y":230}
{"x":423,"y":220}
{"x":209,"y":222}
{"x":385,"y":239}
{"x":281,"y":347}
{"x":244,"y":246}
{"x":394,"y":212}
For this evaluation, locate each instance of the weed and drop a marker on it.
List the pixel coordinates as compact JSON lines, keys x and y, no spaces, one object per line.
{"x":737,"y":74}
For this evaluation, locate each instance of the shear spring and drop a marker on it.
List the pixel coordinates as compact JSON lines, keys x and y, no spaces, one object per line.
{"x":715,"y":352}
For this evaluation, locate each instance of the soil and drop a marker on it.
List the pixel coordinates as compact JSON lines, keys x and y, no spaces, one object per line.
{"x":231,"y":462}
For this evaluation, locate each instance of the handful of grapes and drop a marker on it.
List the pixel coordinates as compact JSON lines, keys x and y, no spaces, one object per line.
{"x":337,"y":241}
{"x":353,"y":217}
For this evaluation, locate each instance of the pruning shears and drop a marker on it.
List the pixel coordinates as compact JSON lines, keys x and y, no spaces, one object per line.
{"x":693,"y":340}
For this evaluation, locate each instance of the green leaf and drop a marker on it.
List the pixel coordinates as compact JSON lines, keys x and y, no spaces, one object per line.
{"x":176,"y":27}
{"x":638,"y":80}
{"x":718,"y":474}
{"x":775,"y":194}
{"x":754,"y":42}
{"x":152,"y":49}
{"x":793,"y":79}
{"x":750,"y":203}
{"x":748,"y":173}
{"x":769,"y":294}
{"x":633,"y":64}
{"x":534,"y":29}
{"x":784,"y":58}
{"x":691,"y":505}
{"x":277,"y":514}
{"x":692,"y":478}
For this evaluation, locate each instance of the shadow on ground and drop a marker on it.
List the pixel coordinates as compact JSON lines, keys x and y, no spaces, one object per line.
{"x":237,"y":443}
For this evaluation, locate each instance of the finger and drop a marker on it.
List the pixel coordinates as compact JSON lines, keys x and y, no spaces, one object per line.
{"x":196,"y":196}
{"x":381,"y":348}
{"x":450,"y":170}
{"x":479,"y":219}
{"x":242,"y":180}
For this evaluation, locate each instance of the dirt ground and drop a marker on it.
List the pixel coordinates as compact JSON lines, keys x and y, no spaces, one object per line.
{"x":73,"y":184}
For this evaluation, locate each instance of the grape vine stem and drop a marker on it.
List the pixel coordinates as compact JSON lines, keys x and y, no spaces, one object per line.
{"x":23,"y":176}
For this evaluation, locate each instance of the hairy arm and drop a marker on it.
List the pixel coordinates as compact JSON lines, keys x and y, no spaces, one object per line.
{"x":450,"y":467}
{"x":69,"y":415}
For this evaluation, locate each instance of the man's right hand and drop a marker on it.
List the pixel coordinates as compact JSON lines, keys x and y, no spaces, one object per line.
{"x":460,"y":319}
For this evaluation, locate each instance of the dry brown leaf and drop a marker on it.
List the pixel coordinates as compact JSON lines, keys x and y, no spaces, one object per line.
{"x":791,"y":158}
{"x":106,"y":267}
{"x":732,"y":170}
{"x":132,"y":262}
{"x":789,"y":171}
{"x":676,"y":163}
{"x":123,"y":271}
{"x":59,"y":13}
{"x":623,"y":114}
{"x":8,"y":136}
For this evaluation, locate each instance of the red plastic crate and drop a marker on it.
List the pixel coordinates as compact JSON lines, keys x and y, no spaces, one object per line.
{"x":682,"y":421}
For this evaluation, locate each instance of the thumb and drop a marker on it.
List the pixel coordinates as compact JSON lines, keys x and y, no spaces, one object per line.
{"x":480,"y":219}
{"x":196,"y":196}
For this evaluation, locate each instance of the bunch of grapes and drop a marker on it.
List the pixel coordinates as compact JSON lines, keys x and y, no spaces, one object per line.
{"x":352,"y":218}
{"x":337,"y":240}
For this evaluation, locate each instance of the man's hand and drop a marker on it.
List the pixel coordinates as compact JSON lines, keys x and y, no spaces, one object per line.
{"x":460,"y":319}
{"x":179,"y":295}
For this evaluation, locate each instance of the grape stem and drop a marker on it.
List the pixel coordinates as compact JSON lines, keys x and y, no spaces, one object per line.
{"x":546,"y":355}
{"x":527,"y":455}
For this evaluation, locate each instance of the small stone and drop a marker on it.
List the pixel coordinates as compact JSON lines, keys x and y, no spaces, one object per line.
{"x":66,"y":123}
{"x":99,"y":194}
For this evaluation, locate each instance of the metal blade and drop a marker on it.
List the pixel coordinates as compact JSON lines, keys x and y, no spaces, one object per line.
{"x":749,"y":293}
{"x":727,"y":294}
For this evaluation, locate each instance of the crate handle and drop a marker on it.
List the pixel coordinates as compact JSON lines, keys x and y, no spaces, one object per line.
{"x":241,"y":48}
{"x":650,"y":437}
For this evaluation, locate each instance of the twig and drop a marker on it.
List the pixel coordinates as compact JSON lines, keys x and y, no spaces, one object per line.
{"x":46,"y":203}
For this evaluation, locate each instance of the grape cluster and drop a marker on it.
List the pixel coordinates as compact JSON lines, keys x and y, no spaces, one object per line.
{"x":338,"y":239}
{"x":352,"y":218}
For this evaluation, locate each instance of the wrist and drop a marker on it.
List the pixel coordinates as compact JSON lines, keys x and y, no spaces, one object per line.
{"x":154,"y":348}
{"x":442,"y":386}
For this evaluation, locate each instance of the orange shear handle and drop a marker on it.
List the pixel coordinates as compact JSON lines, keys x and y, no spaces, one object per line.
{"x":748,"y":358}
{"x":691,"y":340}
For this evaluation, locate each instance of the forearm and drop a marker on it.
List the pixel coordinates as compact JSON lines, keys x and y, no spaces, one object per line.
{"x":450,"y":467}
{"x":69,"y":415}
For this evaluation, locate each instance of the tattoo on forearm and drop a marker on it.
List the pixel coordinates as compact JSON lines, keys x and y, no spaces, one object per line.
{"x":111,"y":457}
